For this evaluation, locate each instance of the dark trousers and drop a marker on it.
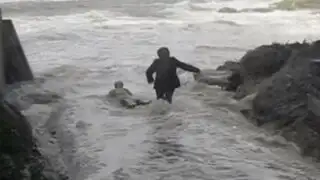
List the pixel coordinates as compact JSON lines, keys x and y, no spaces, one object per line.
{"x":165,"y":95}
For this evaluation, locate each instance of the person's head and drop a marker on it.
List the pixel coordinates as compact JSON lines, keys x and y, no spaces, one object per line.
{"x":163,"y":52}
{"x":118,"y":84}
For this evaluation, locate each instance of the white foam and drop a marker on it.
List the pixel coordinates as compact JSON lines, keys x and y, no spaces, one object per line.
{"x":26,"y":25}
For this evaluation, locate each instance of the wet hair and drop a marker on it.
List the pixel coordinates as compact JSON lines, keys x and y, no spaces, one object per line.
{"x":118,"y":84}
{"x":163,"y":52}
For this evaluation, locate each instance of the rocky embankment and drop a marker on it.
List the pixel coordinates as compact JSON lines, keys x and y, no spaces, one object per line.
{"x":282,"y":83}
{"x":20,"y":155}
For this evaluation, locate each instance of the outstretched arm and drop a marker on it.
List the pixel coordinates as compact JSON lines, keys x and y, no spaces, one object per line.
{"x":127,"y":90}
{"x":149,"y":72}
{"x":186,"y":67}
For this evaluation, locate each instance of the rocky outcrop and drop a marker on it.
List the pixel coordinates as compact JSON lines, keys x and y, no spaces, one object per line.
{"x":285,"y":81}
{"x":19,"y":154}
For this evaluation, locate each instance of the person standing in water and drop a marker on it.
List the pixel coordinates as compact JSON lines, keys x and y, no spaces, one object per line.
{"x":167,"y":80}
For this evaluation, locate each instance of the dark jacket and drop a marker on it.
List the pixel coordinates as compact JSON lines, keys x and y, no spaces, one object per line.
{"x":166,"y":73}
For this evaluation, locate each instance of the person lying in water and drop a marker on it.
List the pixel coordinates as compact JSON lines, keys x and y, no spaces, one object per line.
{"x":125,"y":97}
{"x":167,"y":80}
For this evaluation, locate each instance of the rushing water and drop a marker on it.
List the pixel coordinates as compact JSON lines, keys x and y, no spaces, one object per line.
{"x":79,"y":48}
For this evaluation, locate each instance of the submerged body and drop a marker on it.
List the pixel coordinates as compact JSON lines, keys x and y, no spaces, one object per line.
{"x":125,"y":97}
{"x":166,"y":80}
{"x":121,"y":93}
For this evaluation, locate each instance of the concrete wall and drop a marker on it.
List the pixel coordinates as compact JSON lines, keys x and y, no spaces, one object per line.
{"x":2,"y":73}
{"x":14,"y":66}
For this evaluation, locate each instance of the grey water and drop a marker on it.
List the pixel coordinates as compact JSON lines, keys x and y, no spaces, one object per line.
{"x":79,"y":48}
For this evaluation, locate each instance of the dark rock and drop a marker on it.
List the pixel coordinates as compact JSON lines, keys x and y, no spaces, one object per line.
{"x":259,"y":64}
{"x":286,"y":80}
{"x":265,"y":60}
{"x":284,"y":95}
{"x":227,"y":10}
{"x":229,"y":66}
{"x":234,"y":79}
{"x":19,"y":156}
{"x":313,"y":105}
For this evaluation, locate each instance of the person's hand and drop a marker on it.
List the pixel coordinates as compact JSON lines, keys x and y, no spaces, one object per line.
{"x":196,"y":76}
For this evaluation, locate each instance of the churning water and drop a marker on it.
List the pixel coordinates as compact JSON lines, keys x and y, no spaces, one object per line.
{"x":79,"y":48}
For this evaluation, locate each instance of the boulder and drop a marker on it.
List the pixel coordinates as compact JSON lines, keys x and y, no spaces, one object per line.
{"x":229,"y":66}
{"x":284,"y":83}
{"x":259,"y":64}
{"x":19,"y":154}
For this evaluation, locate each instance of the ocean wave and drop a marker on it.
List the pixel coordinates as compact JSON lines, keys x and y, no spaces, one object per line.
{"x":253,"y":6}
{"x":231,"y":23}
{"x":178,"y":14}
